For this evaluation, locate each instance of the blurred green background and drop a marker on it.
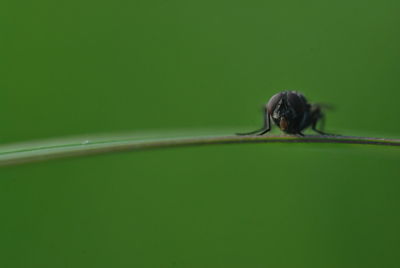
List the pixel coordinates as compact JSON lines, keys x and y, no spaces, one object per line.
{"x":86,"y":67}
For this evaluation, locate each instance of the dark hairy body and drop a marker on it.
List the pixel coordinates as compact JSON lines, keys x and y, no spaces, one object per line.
{"x":292,"y":113}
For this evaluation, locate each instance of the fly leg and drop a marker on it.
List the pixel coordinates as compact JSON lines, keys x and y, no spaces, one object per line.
{"x":318,"y":116}
{"x":264,"y":129}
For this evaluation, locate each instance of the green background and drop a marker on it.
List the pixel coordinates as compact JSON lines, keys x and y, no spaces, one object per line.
{"x":83,"y":67}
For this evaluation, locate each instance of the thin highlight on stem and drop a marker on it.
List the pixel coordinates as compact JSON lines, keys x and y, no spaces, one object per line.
{"x":37,"y":152}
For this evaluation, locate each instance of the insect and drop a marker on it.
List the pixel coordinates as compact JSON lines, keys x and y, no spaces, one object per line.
{"x":291,"y":112}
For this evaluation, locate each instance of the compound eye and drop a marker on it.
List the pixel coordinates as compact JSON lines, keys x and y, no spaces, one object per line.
{"x":297,"y":102}
{"x":273,"y":102}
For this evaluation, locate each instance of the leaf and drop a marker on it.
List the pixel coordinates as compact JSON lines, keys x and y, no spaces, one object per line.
{"x":83,"y":146}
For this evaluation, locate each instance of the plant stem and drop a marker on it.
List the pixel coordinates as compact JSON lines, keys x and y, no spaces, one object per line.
{"x":37,"y":152}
